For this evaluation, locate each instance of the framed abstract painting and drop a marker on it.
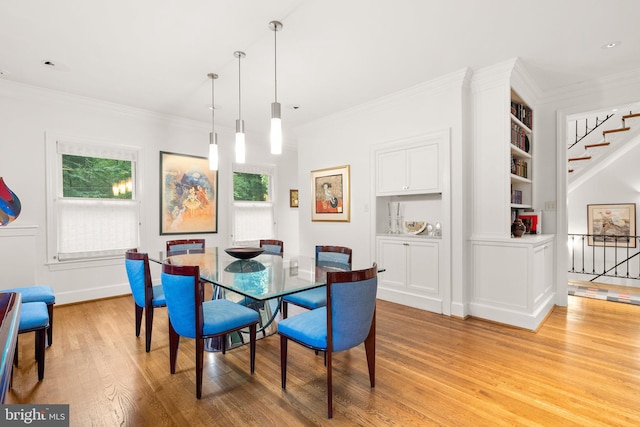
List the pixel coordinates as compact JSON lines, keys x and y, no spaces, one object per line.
{"x":188,"y":195}
{"x":330,"y":190}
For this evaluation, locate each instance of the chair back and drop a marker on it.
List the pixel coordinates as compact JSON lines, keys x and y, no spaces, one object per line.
{"x":183,"y":293}
{"x":275,"y":247}
{"x":351,"y":305}
{"x":333,"y":255}
{"x":139,"y":275}
{"x":184,"y":245}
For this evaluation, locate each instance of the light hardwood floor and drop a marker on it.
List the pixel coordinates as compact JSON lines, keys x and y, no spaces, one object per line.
{"x":581,"y":368}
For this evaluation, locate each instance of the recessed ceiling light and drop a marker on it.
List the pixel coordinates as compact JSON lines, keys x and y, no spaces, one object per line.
{"x":611,"y":45}
{"x":54,"y":65}
{"x":295,"y":107}
{"x":3,"y":72}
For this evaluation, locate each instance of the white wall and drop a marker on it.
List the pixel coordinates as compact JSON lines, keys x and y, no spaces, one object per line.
{"x":346,"y":138}
{"x":28,"y":113}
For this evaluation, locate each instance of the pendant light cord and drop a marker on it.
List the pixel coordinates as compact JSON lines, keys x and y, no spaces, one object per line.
{"x":213,"y":107}
{"x":275,"y":62}
{"x":239,"y":90}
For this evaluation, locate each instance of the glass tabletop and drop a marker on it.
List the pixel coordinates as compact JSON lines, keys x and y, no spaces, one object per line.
{"x":264,"y":277}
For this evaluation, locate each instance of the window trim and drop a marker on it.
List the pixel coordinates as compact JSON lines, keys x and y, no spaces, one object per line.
{"x":269,"y":170}
{"x":53,"y":165}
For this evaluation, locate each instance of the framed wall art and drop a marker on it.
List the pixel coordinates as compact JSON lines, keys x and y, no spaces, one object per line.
{"x":330,"y":190}
{"x":188,"y":195}
{"x":611,"y":225}
{"x":293,"y":198}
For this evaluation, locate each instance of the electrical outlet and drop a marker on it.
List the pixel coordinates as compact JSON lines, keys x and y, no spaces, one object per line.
{"x":550,"y":206}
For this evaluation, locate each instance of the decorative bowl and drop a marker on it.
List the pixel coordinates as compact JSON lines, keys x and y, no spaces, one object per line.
{"x":414,"y":227}
{"x":244,"y":253}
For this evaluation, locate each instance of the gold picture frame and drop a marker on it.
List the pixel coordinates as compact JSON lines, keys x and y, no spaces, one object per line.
{"x":331,"y":195}
{"x":611,"y":225}
{"x":293,"y":198}
{"x":188,"y":195}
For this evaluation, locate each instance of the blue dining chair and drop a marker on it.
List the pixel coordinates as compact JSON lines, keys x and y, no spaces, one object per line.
{"x":272,"y":246}
{"x":192,"y":317}
{"x":146,"y":296}
{"x":184,"y":245}
{"x":348,"y":319}
{"x":326,"y":256}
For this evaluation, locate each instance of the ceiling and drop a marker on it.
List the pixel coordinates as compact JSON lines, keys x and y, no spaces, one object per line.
{"x":332,"y":54}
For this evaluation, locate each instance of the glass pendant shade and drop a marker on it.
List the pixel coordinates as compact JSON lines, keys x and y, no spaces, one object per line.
{"x":240,"y":144}
{"x":276,"y":129}
{"x":213,"y":151}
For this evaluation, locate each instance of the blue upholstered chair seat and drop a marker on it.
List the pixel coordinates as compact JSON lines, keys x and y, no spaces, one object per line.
{"x":158,"y":296}
{"x":308,"y":328}
{"x":223,"y":315}
{"x":33,"y":315}
{"x":311,"y":299}
{"x":38,"y":293}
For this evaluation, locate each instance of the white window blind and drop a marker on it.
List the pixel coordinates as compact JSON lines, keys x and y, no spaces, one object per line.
{"x":96,"y":228}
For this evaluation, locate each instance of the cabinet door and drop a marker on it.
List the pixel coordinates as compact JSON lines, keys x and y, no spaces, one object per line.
{"x":423,"y":169}
{"x":422,"y":267}
{"x":391,"y":172}
{"x":392,"y":257}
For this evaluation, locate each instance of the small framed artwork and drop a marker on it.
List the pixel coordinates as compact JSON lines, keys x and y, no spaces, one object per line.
{"x":188,"y":195}
{"x":532,"y":221}
{"x":330,"y":189}
{"x":293,"y":198}
{"x":611,"y":225}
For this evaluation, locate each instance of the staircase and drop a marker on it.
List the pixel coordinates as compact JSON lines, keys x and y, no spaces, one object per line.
{"x":590,"y":149}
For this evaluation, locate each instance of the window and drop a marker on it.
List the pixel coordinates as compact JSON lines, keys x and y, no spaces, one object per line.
{"x":253,"y":213}
{"x":92,"y":209}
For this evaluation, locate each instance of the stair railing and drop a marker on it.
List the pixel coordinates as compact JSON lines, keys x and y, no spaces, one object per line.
{"x":587,"y":129}
{"x":604,"y":256}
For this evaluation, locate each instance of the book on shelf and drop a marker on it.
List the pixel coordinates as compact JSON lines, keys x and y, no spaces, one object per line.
{"x":522,"y":113}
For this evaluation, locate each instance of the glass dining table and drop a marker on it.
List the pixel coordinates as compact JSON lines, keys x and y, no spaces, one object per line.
{"x":259,"y":282}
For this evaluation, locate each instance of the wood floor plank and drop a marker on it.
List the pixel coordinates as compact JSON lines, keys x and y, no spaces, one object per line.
{"x":582,"y":367}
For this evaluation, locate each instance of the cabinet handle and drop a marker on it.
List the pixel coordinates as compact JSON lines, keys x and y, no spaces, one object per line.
{"x":405,"y":244}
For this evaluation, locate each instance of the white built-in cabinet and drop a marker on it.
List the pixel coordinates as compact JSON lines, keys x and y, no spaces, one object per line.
{"x":512,"y":279}
{"x":409,"y":169}
{"x":413,"y":173}
{"x":412,"y":268}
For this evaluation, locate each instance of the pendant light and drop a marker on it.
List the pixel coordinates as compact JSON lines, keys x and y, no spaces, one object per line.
{"x":240,"y":143}
{"x":213,"y":136}
{"x":276,"y":122}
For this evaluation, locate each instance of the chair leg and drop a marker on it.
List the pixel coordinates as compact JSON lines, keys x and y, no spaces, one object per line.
{"x":370,"y":349}
{"x":283,"y":361}
{"x":252,"y":345}
{"x":50,"y":330}
{"x":199,"y":366}
{"x":174,"y":340}
{"x":329,"y":386}
{"x":138,"y":319}
{"x":224,"y":343}
{"x":148,"y":327}
{"x":285,"y":309}
{"x":41,"y":341}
